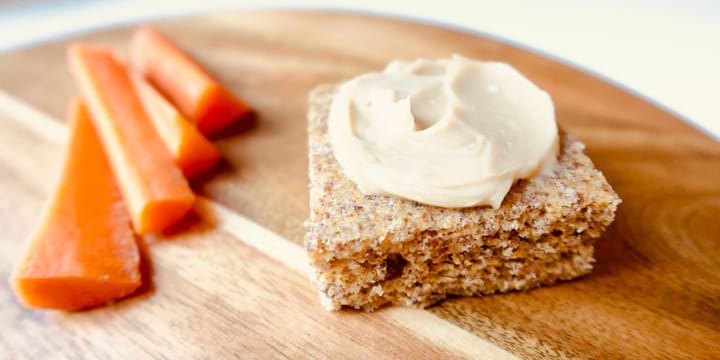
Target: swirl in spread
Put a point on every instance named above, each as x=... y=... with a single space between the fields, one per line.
x=452 y=132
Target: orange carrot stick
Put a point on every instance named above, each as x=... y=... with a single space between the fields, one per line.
x=83 y=254
x=155 y=191
x=192 y=152
x=192 y=89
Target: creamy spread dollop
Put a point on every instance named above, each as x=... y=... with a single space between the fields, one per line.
x=452 y=132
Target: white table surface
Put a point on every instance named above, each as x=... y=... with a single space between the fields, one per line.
x=668 y=51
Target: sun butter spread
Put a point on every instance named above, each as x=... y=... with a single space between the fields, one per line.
x=452 y=132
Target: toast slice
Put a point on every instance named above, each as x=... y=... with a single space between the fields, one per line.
x=370 y=250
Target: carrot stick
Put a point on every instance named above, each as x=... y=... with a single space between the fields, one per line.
x=83 y=254
x=192 y=152
x=153 y=187
x=192 y=89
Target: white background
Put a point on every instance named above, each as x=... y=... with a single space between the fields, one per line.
x=666 y=50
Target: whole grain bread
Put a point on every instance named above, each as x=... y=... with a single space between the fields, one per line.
x=367 y=250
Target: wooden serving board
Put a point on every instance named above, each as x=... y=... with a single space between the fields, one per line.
x=232 y=280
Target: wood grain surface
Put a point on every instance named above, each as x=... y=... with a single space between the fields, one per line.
x=231 y=281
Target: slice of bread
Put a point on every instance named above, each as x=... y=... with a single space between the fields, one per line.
x=369 y=250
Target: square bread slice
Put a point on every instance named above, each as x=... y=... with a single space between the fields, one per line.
x=368 y=250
